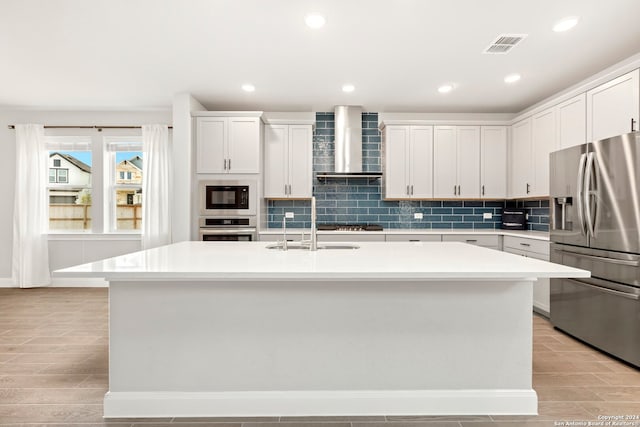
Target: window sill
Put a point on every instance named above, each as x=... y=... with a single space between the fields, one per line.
x=93 y=236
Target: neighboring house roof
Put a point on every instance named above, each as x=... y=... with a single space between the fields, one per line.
x=78 y=163
x=135 y=161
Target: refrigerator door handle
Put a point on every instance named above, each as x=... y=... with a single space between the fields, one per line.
x=606 y=290
x=588 y=194
x=632 y=263
x=580 y=190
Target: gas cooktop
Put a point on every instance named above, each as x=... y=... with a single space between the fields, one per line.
x=349 y=227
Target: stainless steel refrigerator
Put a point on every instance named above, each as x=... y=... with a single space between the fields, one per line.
x=595 y=225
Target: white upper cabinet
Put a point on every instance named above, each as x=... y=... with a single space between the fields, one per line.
x=533 y=139
x=228 y=145
x=493 y=162
x=543 y=142
x=613 y=108
x=445 y=164
x=571 y=118
x=521 y=174
x=211 y=134
x=456 y=165
x=407 y=162
x=244 y=145
x=288 y=161
x=421 y=159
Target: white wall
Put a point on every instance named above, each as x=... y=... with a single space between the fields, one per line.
x=183 y=187
x=64 y=251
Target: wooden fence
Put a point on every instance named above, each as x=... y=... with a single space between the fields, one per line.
x=69 y=216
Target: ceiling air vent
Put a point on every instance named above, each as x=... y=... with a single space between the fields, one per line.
x=504 y=43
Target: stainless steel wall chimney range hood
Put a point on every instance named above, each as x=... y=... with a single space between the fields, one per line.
x=348 y=145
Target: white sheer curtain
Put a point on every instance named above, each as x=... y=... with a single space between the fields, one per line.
x=30 y=246
x=156 y=211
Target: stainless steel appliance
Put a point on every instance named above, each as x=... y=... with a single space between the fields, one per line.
x=228 y=197
x=228 y=229
x=349 y=227
x=595 y=225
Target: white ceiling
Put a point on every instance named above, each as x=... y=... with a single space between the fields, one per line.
x=133 y=54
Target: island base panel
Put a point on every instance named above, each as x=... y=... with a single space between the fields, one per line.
x=210 y=348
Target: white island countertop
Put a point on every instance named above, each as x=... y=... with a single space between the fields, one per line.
x=401 y=261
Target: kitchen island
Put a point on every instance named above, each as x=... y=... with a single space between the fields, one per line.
x=236 y=329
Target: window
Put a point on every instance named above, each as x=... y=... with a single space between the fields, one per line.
x=114 y=159
x=69 y=184
x=126 y=183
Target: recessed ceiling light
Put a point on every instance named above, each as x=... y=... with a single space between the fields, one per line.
x=248 y=87
x=314 y=21
x=565 y=24
x=348 y=88
x=445 y=88
x=512 y=78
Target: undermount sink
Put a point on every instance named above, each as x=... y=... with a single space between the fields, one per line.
x=305 y=246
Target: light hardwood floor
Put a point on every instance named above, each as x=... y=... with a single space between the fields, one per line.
x=54 y=365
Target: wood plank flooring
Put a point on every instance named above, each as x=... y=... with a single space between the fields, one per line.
x=54 y=365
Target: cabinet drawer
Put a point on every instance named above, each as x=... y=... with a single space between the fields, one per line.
x=486 y=240
x=291 y=237
x=414 y=238
x=355 y=237
x=530 y=245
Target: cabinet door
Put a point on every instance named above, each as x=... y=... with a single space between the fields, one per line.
x=396 y=146
x=468 y=164
x=421 y=162
x=300 y=160
x=211 y=134
x=571 y=118
x=244 y=145
x=543 y=134
x=493 y=162
x=276 y=167
x=445 y=183
x=521 y=159
x=612 y=106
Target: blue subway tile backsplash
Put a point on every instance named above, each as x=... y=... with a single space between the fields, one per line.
x=359 y=200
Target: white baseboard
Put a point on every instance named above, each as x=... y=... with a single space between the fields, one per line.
x=78 y=282
x=7 y=282
x=62 y=282
x=320 y=403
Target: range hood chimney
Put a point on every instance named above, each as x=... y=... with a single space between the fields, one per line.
x=348 y=144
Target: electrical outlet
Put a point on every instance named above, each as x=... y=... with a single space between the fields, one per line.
x=487 y=215
x=417 y=215
x=288 y=215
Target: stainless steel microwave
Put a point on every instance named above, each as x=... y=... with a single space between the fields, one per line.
x=228 y=197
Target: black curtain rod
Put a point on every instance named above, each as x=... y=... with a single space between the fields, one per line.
x=90 y=127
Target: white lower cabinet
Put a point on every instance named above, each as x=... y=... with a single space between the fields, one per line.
x=538 y=249
x=414 y=237
x=491 y=241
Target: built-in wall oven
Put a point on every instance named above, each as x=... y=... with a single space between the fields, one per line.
x=228 y=229
x=228 y=198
